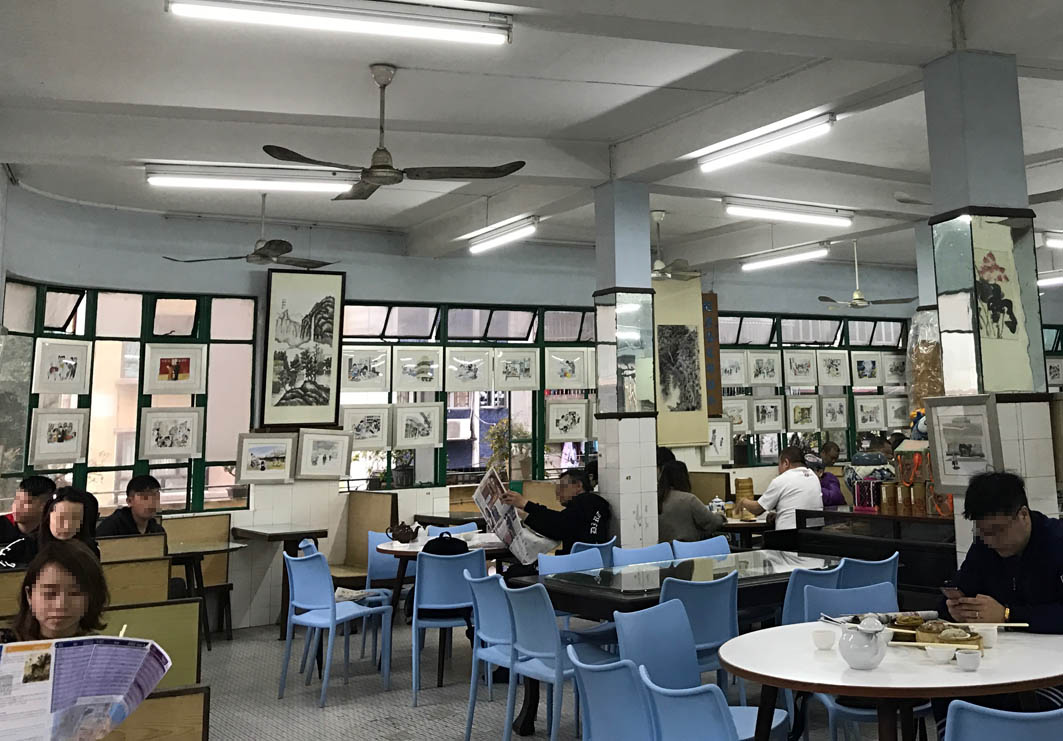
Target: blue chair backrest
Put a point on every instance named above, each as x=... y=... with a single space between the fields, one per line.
x=441 y=582
x=793 y=606
x=582 y=561
x=606 y=549
x=490 y=609
x=837 y=602
x=435 y=530
x=307 y=547
x=534 y=625
x=616 y=706
x=649 y=554
x=660 y=638
x=717 y=546
x=712 y=607
x=310 y=582
x=382 y=565
x=695 y=712
x=857 y=573
x=967 y=722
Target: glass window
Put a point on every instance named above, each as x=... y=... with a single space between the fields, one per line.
x=364 y=321
x=729 y=329
x=860 y=332
x=458 y=400
x=109 y=486
x=810 y=331
x=887 y=334
x=118 y=314
x=756 y=330
x=61 y=310
x=586 y=334
x=113 y=417
x=174 y=487
x=467 y=324
x=232 y=319
x=512 y=325
x=131 y=360
x=14 y=403
x=562 y=326
x=1049 y=335
x=229 y=375
x=412 y=321
x=20 y=307
x=221 y=490
x=175 y=317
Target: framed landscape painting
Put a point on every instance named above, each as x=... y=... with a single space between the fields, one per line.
x=175 y=369
x=323 y=454
x=720 y=447
x=366 y=368
x=265 y=458
x=58 y=436
x=867 y=369
x=802 y=413
x=301 y=379
x=419 y=425
x=171 y=432
x=368 y=425
x=516 y=370
x=566 y=421
x=61 y=366
x=418 y=369
x=733 y=369
x=736 y=409
x=468 y=369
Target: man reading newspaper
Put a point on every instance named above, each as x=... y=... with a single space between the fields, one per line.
x=583 y=517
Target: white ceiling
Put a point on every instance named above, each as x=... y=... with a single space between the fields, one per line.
x=90 y=90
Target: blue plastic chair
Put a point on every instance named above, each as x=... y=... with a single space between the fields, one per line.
x=441 y=585
x=582 y=561
x=712 y=607
x=793 y=606
x=717 y=546
x=312 y=590
x=695 y=712
x=494 y=635
x=967 y=722
x=307 y=547
x=606 y=549
x=660 y=639
x=649 y=554
x=857 y=573
x=381 y=567
x=435 y=530
x=615 y=705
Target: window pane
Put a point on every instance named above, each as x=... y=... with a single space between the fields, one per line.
x=113 y=420
x=412 y=321
x=1048 y=334
x=15 y=374
x=59 y=308
x=221 y=489
x=175 y=317
x=20 y=307
x=860 y=332
x=562 y=326
x=467 y=324
x=810 y=331
x=228 y=399
x=174 y=487
x=171 y=400
x=118 y=314
x=511 y=325
x=364 y=321
x=587 y=333
x=729 y=330
x=232 y=319
x=756 y=330
x=887 y=334
x=109 y=488
x=561 y=457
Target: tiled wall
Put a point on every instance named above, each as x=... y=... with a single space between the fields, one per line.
x=627 y=472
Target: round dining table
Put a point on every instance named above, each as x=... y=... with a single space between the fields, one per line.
x=786 y=658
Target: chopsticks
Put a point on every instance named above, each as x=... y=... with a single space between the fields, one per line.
x=991 y=625
x=918 y=644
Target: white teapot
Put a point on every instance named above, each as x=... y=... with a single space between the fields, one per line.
x=864 y=646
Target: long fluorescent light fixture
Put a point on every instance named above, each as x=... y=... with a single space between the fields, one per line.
x=372 y=18
x=1054 y=241
x=512 y=232
x=793 y=212
x=1053 y=280
x=767 y=143
x=787 y=259
x=260 y=180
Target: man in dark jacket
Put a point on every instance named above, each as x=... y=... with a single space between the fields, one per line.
x=584 y=516
x=138 y=516
x=18 y=528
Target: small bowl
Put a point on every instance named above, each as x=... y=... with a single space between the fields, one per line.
x=968 y=659
x=824 y=639
x=989 y=636
x=940 y=654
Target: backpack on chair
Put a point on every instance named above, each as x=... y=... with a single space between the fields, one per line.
x=442 y=545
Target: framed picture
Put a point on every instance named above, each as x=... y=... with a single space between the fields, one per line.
x=799 y=367
x=769 y=414
x=265 y=458
x=62 y=366
x=368 y=425
x=764 y=368
x=832 y=367
x=566 y=368
x=802 y=413
x=175 y=369
x=893 y=369
x=870 y=413
x=417 y=369
x=592 y=420
x=301 y=378
x=566 y=421
x=171 y=432
x=323 y=454
x=736 y=409
x=965 y=440
x=58 y=436
x=897 y=412
x=839 y=438
x=365 y=368
x=516 y=370
x=867 y=369
x=468 y=369
x=1054 y=371
x=721 y=443
x=733 y=368
x=419 y=425
x=834 y=412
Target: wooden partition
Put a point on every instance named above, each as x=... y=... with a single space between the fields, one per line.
x=138 y=582
x=366 y=510
x=171 y=715
x=542 y=492
x=461 y=498
x=10 y=584
x=202 y=530
x=707 y=485
x=132 y=547
x=174 y=625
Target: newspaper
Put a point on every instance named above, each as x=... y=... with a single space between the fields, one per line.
x=77 y=688
x=524 y=543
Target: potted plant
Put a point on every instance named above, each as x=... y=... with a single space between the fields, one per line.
x=499 y=437
x=402 y=468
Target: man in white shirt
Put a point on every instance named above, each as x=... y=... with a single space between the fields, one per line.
x=796 y=487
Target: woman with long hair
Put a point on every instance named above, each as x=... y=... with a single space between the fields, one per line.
x=680 y=514
x=70 y=514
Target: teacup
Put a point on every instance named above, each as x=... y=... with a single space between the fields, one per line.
x=940 y=654
x=968 y=659
x=989 y=635
x=824 y=639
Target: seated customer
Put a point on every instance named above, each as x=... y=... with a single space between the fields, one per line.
x=828 y=482
x=680 y=514
x=794 y=488
x=70 y=515
x=584 y=516
x=664 y=455
x=138 y=518
x=18 y=529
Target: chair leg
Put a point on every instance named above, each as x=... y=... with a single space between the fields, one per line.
x=328 y=664
x=473 y=686
x=511 y=700
x=922 y=729
x=490 y=677
x=385 y=647
x=415 y=646
x=347 y=652
x=306 y=648
x=742 y=692
x=313 y=656
x=287 y=658
x=227 y=599
x=365 y=627
x=575 y=699
x=442 y=656
x=375 y=623
x=555 y=719
x=550 y=707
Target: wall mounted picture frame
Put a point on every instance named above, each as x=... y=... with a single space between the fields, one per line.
x=566 y=368
x=266 y=458
x=171 y=432
x=765 y=367
x=368 y=424
x=964 y=439
x=419 y=425
x=869 y=413
x=468 y=369
x=734 y=368
x=516 y=369
x=799 y=367
x=566 y=421
x=365 y=368
x=720 y=449
x=832 y=367
x=175 y=369
x=897 y=413
x=62 y=366
x=834 y=412
x=769 y=414
x=323 y=454
x=802 y=413
x=417 y=368
x=866 y=368
x=301 y=380
x=894 y=369
x=1054 y=371
x=58 y=436
x=736 y=410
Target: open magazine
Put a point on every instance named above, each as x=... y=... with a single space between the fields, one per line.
x=76 y=688
x=524 y=543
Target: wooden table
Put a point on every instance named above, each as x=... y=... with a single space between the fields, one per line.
x=453 y=519
x=190 y=555
x=785 y=657
x=289 y=535
x=746 y=530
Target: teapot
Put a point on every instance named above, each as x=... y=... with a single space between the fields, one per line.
x=402 y=532
x=864 y=646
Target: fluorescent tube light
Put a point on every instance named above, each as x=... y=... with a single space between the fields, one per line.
x=377 y=19
x=258 y=179
x=788 y=259
x=1055 y=280
x=777 y=211
x=1054 y=241
x=261 y=186
x=513 y=232
x=767 y=143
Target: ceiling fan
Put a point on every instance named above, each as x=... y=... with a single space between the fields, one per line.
x=382 y=171
x=678 y=269
x=266 y=252
x=858 y=301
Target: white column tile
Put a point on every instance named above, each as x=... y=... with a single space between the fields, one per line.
x=1035 y=420
x=1038 y=457
x=1008 y=421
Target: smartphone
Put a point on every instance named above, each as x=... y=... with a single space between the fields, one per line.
x=951 y=591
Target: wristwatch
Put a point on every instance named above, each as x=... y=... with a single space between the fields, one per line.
x=1007 y=613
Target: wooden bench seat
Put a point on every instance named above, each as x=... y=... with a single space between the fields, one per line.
x=180 y=714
